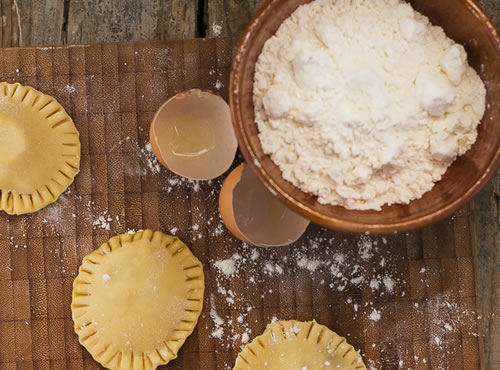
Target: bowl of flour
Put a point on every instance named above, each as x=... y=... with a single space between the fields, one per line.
x=366 y=115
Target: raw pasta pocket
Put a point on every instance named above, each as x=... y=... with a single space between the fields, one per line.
x=136 y=299
x=39 y=149
x=299 y=345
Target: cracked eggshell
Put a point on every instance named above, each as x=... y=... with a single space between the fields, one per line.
x=254 y=215
x=208 y=107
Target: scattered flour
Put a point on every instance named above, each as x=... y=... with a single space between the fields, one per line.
x=339 y=271
x=228 y=267
x=255 y=254
x=217 y=29
x=309 y=264
x=69 y=89
x=389 y=283
x=218 y=331
x=374 y=315
x=375 y=284
x=244 y=338
x=219 y=229
x=151 y=160
x=365 y=245
x=325 y=263
x=271 y=269
x=103 y=221
x=175 y=181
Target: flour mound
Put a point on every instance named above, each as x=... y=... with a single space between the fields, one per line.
x=365 y=103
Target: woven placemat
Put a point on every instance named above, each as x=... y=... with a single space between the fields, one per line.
x=405 y=301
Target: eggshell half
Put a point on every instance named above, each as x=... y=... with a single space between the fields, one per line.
x=206 y=106
x=226 y=202
x=256 y=216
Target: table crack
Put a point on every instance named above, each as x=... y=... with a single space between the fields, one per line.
x=64 y=26
x=201 y=22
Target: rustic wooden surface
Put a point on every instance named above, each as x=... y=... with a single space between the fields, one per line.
x=52 y=22
x=406 y=299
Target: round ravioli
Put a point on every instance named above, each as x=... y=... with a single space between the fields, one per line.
x=39 y=149
x=295 y=345
x=136 y=299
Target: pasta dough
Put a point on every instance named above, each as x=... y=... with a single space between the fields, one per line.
x=39 y=149
x=136 y=299
x=296 y=345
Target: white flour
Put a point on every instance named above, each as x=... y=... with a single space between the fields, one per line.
x=364 y=103
x=369 y=295
x=374 y=315
x=228 y=267
x=151 y=160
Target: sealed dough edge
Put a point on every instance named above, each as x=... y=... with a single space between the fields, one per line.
x=298 y=345
x=154 y=331
x=25 y=107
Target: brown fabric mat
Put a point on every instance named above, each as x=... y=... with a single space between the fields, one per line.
x=405 y=301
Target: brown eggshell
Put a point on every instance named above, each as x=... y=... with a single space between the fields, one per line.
x=226 y=201
x=154 y=145
x=256 y=216
x=206 y=106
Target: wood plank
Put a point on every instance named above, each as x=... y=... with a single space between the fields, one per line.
x=487 y=239
x=41 y=22
x=131 y=191
x=228 y=18
x=177 y=19
x=492 y=7
x=99 y=21
x=10 y=23
x=486 y=211
x=92 y=21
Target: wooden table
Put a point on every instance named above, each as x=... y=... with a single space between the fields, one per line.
x=54 y=22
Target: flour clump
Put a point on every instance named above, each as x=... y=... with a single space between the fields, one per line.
x=365 y=103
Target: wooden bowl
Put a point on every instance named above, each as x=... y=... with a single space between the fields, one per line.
x=463 y=21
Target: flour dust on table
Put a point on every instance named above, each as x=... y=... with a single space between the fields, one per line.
x=360 y=277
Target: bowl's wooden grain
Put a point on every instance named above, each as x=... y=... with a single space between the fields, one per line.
x=466 y=23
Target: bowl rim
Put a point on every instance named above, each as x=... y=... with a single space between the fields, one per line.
x=333 y=222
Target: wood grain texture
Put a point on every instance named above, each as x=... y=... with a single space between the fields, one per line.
x=43 y=22
x=10 y=34
x=486 y=211
x=427 y=279
x=492 y=7
x=92 y=21
x=177 y=19
x=228 y=18
x=487 y=239
x=55 y=22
